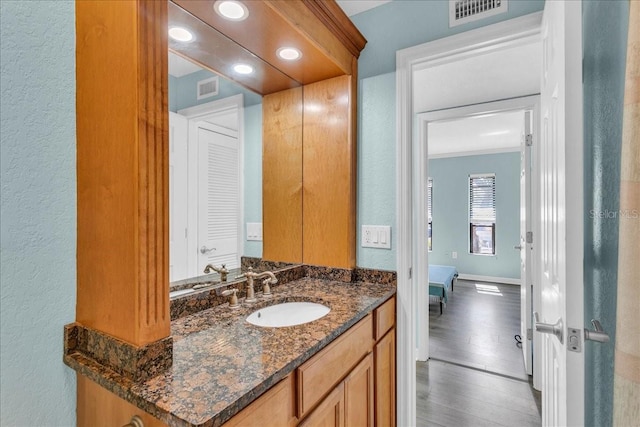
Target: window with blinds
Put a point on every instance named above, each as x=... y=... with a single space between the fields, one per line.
x=482 y=214
x=430 y=212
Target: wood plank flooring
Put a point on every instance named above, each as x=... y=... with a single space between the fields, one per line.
x=476 y=375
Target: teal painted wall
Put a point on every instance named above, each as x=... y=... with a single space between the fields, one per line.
x=605 y=25
x=388 y=28
x=183 y=91
x=451 y=213
x=253 y=174
x=37 y=211
x=183 y=94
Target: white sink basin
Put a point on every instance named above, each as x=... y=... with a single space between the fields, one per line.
x=287 y=314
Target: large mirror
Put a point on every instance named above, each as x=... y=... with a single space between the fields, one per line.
x=215 y=150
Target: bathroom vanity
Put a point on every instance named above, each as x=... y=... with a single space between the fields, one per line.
x=194 y=361
x=227 y=371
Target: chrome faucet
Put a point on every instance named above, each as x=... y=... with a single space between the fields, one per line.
x=221 y=270
x=250 y=275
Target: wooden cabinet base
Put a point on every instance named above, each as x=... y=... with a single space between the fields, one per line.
x=98 y=407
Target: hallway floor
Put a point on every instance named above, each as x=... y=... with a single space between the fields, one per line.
x=476 y=375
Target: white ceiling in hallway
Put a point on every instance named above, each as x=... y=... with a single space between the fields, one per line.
x=496 y=75
x=485 y=133
x=178 y=66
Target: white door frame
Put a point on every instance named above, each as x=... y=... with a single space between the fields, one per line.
x=531 y=103
x=411 y=261
x=194 y=115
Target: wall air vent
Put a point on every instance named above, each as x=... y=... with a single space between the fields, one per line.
x=208 y=87
x=463 y=11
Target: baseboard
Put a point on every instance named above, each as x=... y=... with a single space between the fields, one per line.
x=490 y=279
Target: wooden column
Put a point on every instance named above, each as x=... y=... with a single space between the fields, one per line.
x=329 y=173
x=122 y=167
x=282 y=176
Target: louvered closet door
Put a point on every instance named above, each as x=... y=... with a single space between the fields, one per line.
x=218 y=199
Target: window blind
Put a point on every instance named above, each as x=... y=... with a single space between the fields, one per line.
x=430 y=200
x=482 y=198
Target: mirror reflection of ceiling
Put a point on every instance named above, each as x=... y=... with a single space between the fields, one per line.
x=179 y=67
x=477 y=134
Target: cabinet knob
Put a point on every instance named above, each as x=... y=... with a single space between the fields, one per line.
x=136 y=421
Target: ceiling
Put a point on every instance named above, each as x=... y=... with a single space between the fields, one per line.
x=485 y=133
x=353 y=7
x=178 y=66
x=495 y=75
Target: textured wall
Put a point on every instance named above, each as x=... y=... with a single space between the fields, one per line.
x=37 y=210
x=253 y=174
x=451 y=213
x=605 y=26
x=405 y=23
x=377 y=166
x=388 y=28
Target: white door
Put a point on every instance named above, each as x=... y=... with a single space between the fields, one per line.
x=218 y=197
x=524 y=246
x=178 y=197
x=561 y=210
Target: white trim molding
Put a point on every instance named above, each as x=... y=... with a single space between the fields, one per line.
x=411 y=165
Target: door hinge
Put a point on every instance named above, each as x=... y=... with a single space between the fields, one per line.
x=529 y=236
x=529 y=140
x=410 y=272
x=529 y=334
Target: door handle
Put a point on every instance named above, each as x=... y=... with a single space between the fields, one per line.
x=598 y=335
x=517 y=247
x=547 y=328
x=204 y=250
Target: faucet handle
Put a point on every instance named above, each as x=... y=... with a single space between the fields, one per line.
x=266 y=289
x=233 y=301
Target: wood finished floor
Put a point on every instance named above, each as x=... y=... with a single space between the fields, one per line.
x=476 y=375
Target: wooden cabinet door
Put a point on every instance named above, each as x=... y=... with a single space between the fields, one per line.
x=274 y=408
x=358 y=394
x=385 y=372
x=330 y=412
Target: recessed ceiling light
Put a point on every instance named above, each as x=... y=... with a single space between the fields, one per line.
x=180 y=34
x=231 y=10
x=243 y=69
x=289 y=53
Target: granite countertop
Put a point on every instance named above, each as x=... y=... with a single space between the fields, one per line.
x=221 y=363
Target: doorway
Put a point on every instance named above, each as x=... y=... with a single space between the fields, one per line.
x=413 y=68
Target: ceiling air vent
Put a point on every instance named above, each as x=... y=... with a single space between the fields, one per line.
x=208 y=87
x=463 y=11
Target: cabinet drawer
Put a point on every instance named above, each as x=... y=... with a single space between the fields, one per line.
x=321 y=373
x=385 y=318
x=274 y=408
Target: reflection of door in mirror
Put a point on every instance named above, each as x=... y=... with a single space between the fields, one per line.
x=208 y=178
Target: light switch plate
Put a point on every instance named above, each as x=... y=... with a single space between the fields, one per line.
x=254 y=231
x=376 y=236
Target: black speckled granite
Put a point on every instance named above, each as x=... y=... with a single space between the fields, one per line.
x=376 y=276
x=259 y=264
x=221 y=363
x=330 y=273
x=136 y=363
x=203 y=299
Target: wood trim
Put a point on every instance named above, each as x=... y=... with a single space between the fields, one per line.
x=282 y=176
x=329 y=173
x=98 y=407
x=296 y=13
x=122 y=161
x=334 y=18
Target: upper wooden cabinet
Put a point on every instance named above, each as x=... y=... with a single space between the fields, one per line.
x=122 y=149
x=319 y=29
